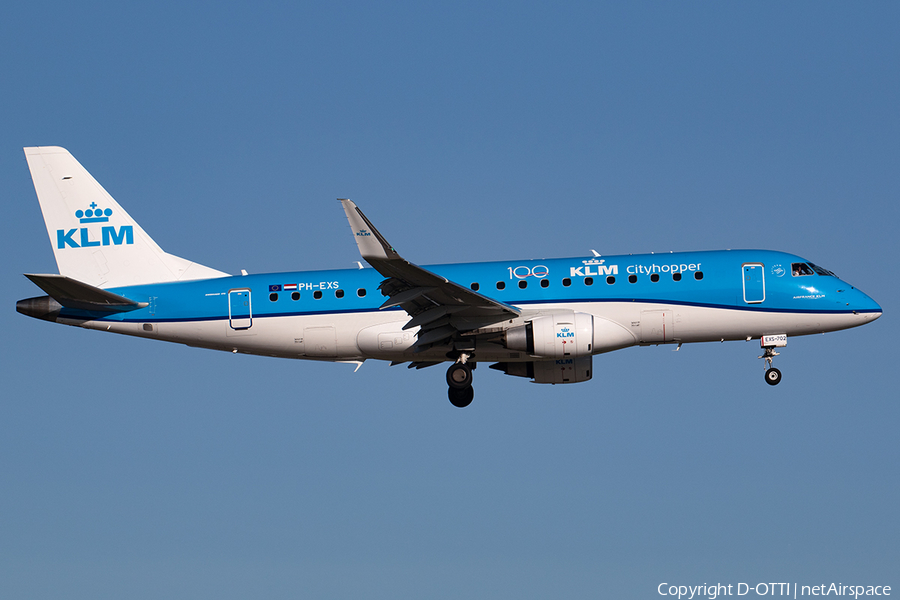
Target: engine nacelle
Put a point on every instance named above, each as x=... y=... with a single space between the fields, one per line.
x=558 y=335
x=562 y=370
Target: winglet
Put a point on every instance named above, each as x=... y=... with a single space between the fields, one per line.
x=371 y=243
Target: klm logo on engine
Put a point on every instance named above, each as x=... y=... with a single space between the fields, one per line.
x=85 y=238
x=593 y=268
x=565 y=333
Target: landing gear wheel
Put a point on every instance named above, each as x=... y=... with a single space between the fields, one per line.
x=461 y=398
x=459 y=376
x=773 y=376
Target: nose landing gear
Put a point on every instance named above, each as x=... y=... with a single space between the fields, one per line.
x=769 y=343
x=459 y=380
x=773 y=376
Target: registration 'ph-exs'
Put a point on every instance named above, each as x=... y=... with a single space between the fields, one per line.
x=539 y=319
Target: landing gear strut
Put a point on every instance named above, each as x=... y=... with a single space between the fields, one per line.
x=459 y=380
x=769 y=343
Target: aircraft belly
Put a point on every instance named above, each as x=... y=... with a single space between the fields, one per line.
x=386 y=340
x=704 y=324
x=707 y=324
x=353 y=336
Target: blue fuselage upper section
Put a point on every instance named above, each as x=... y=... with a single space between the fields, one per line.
x=752 y=280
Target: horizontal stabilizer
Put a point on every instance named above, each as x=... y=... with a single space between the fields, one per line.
x=81 y=296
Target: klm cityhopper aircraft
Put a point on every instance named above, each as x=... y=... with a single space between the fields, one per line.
x=540 y=319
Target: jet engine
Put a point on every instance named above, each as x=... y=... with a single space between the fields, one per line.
x=562 y=370
x=562 y=344
x=557 y=335
x=567 y=334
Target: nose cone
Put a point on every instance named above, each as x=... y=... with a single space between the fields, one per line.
x=871 y=308
x=861 y=304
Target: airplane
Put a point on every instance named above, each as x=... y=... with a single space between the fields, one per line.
x=538 y=319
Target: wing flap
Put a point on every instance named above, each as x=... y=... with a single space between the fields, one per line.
x=407 y=296
x=432 y=315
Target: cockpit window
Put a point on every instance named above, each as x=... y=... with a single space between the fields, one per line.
x=821 y=271
x=801 y=269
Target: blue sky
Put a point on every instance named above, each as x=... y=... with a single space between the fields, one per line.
x=137 y=469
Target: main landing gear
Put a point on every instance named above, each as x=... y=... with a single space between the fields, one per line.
x=769 y=343
x=459 y=380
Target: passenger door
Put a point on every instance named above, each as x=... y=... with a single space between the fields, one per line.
x=240 y=312
x=754 y=283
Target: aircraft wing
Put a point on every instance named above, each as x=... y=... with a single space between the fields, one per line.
x=443 y=310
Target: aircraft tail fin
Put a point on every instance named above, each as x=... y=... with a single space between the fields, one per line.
x=94 y=240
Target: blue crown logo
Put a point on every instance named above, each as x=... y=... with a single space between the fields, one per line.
x=93 y=214
x=593 y=262
x=564 y=329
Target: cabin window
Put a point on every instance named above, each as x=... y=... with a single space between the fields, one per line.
x=610 y=280
x=317 y=295
x=588 y=281
x=523 y=284
x=654 y=278
x=545 y=283
x=361 y=292
x=338 y=293
x=632 y=279
x=475 y=286
x=501 y=285
x=273 y=296
x=801 y=270
x=567 y=282
x=698 y=275
x=295 y=296
x=676 y=276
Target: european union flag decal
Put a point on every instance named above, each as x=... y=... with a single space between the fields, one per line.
x=274 y=288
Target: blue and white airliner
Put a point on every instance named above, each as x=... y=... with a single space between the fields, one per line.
x=539 y=319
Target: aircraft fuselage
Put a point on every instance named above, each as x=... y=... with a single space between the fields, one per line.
x=647 y=299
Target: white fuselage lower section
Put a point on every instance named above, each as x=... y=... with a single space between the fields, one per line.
x=380 y=335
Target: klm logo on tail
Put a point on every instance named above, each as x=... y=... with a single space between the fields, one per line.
x=109 y=235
